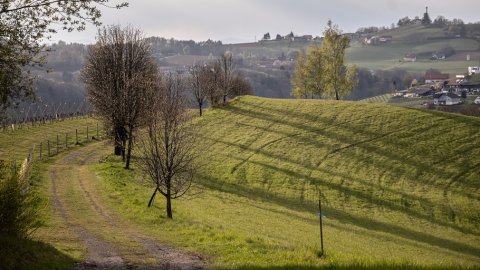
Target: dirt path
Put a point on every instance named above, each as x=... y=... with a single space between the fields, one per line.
x=110 y=242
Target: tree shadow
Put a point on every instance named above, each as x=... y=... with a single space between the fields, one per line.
x=341 y=216
x=21 y=253
x=355 y=266
x=389 y=204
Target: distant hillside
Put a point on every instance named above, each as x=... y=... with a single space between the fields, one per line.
x=269 y=64
x=422 y=41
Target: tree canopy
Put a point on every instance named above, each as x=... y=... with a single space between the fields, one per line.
x=321 y=71
x=120 y=76
x=24 y=24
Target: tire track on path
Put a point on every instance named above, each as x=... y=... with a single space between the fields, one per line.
x=141 y=250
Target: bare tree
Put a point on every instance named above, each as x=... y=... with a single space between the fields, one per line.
x=200 y=83
x=214 y=87
x=227 y=69
x=168 y=145
x=120 y=75
x=240 y=86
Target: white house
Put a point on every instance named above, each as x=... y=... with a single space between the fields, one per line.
x=410 y=57
x=446 y=99
x=477 y=100
x=473 y=70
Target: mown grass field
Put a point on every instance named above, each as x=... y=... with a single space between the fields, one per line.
x=399 y=188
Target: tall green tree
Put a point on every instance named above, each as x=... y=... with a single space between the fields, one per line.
x=301 y=78
x=316 y=70
x=338 y=78
x=321 y=71
x=24 y=25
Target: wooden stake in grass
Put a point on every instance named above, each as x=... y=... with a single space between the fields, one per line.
x=48 y=146
x=40 y=151
x=321 y=228
x=76 y=136
x=66 y=140
x=58 y=144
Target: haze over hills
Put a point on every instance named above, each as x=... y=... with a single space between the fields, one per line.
x=269 y=64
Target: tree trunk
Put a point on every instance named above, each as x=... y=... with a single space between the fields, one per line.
x=151 y=198
x=200 y=107
x=169 y=201
x=224 y=99
x=118 y=142
x=336 y=94
x=124 y=143
x=129 y=148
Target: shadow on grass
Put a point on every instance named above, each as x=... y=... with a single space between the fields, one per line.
x=381 y=266
x=392 y=156
x=21 y=253
x=341 y=216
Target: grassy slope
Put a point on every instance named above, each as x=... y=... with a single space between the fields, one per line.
x=16 y=144
x=413 y=38
x=399 y=187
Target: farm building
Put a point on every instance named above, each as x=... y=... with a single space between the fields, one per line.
x=419 y=91
x=477 y=100
x=410 y=57
x=431 y=77
x=446 y=99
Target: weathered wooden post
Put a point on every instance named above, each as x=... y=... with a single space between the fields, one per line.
x=48 y=147
x=76 y=136
x=321 y=228
x=58 y=144
x=66 y=140
x=87 y=133
x=97 y=130
x=40 y=151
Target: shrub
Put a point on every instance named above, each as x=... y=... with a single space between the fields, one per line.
x=18 y=215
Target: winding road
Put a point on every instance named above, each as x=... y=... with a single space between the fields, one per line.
x=111 y=242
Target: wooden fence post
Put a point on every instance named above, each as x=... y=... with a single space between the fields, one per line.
x=40 y=151
x=76 y=136
x=58 y=143
x=87 y=133
x=321 y=228
x=66 y=140
x=97 y=130
x=48 y=147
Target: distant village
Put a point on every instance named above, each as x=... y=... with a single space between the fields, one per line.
x=445 y=89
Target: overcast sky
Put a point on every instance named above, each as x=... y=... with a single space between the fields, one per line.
x=234 y=21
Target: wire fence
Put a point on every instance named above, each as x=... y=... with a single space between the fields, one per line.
x=26 y=115
x=53 y=144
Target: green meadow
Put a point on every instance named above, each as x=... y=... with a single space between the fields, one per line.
x=399 y=188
